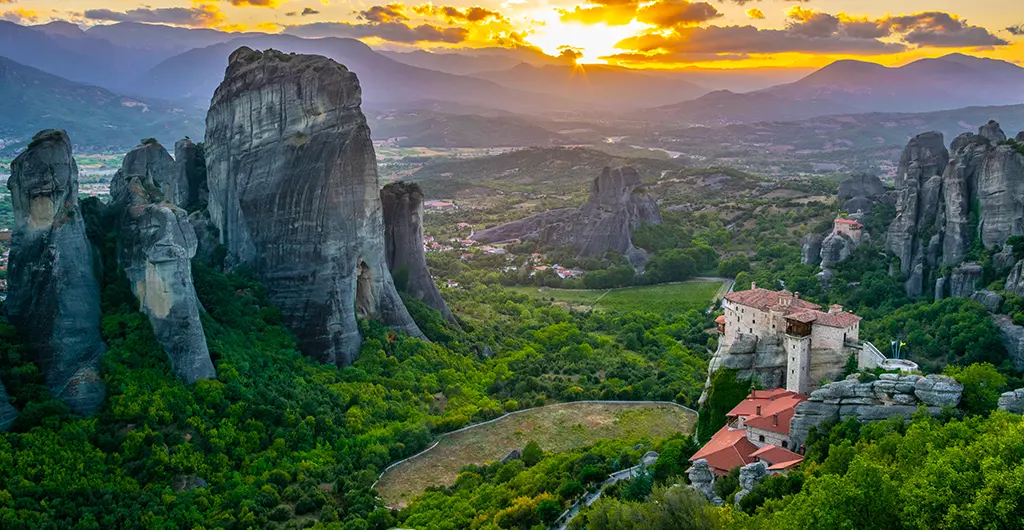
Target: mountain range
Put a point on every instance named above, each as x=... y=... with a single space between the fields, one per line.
x=155 y=64
x=99 y=120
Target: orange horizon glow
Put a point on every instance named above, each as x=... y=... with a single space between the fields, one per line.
x=621 y=32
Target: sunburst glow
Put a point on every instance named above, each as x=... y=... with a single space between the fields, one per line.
x=593 y=40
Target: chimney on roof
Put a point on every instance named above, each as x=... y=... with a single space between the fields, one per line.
x=753 y=285
x=796 y=295
x=835 y=308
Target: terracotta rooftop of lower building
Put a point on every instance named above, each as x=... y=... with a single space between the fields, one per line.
x=727 y=449
x=768 y=410
x=774 y=454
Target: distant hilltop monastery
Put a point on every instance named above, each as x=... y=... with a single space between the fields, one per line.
x=786 y=342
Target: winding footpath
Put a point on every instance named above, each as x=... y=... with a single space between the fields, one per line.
x=591 y=497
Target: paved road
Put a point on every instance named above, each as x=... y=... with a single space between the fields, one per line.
x=590 y=498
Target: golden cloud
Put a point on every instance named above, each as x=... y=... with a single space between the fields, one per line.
x=19 y=16
x=755 y=14
x=199 y=15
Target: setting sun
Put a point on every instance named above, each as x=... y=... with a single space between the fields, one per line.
x=592 y=40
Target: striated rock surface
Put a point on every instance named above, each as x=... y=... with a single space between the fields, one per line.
x=1012 y=337
x=992 y=301
x=7 y=413
x=53 y=296
x=1012 y=401
x=618 y=205
x=294 y=194
x=947 y=200
x=403 y=237
x=860 y=192
x=156 y=248
x=151 y=165
x=836 y=248
x=750 y=476
x=964 y=280
x=1015 y=280
x=810 y=249
x=702 y=479
x=891 y=395
x=190 y=190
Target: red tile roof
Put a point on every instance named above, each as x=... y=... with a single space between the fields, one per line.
x=851 y=222
x=720 y=319
x=841 y=319
x=783 y=466
x=729 y=448
x=765 y=299
x=778 y=402
x=774 y=454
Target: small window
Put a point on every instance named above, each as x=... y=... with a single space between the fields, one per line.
x=754 y=321
x=785 y=444
x=751 y=330
x=761 y=439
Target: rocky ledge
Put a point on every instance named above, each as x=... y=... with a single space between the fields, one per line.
x=888 y=396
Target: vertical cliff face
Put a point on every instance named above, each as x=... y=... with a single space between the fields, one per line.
x=190 y=190
x=156 y=246
x=403 y=236
x=948 y=200
x=294 y=194
x=618 y=204
x=53 y=295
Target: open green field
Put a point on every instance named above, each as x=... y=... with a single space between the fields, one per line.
x=557 y=428
x=667 y=298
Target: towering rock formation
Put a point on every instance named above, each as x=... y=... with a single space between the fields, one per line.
x=152 y=166
x=950 y=199
x=7 y=413
x=294 y=194
x=617 y=206
x=403 y=237
x=190 y=191
x=810 y=249
x=156 y=247
x=860 y=192
x=53 y=295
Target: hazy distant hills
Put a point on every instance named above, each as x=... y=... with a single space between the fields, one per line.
x=95 y=118
x=847 y=87
x=430 y=129
x=197 y=73
x=469 y=61
x=723 y=107
x=611 y=87
x=460 y=97
x=949 y=82
x=847 y=142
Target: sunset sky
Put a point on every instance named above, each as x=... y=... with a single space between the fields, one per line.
x=658 y=33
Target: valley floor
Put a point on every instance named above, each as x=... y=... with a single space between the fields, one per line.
x=557 y=428
x=665 y=298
